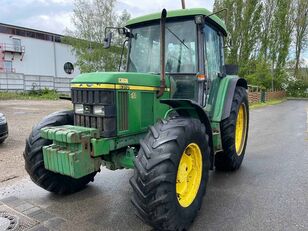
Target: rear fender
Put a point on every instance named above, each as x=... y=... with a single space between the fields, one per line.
x=225 y=95
x=228 y=101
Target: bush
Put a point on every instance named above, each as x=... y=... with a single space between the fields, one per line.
x=32 y=94
x=297 y=88
x=260 y=76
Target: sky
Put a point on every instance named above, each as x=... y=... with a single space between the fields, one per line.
x=55 y=15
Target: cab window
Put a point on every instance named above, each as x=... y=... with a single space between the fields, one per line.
x=212 y=52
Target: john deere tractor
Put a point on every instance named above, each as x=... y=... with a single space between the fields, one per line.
x=176 y=112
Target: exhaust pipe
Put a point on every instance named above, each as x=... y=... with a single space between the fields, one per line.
x=183 y=4
x=162 y=53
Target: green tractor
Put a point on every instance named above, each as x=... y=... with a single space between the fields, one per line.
x=177 y=112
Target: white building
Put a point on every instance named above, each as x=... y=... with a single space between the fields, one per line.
x=34 y=59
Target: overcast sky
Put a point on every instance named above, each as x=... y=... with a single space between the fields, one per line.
x=55 y=15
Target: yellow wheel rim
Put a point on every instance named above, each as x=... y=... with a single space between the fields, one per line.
x=240 y=129
x=189 y=175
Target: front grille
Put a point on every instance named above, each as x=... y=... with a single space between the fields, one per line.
x=89 y=121
x=89 y=98
x=93 y=96
x=123 y=110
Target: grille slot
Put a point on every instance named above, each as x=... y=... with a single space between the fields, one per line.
x=89 y=121
x=106 y=124
x=123 y=110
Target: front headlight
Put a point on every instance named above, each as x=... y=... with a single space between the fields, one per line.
x=99 y=110
x=2 y=120
x=78 y=108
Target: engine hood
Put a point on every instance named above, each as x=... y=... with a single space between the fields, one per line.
x=123 y=78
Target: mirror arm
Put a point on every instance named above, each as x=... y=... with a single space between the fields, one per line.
x=122 y=52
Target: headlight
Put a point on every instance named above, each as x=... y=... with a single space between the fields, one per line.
x=78 y=108
x=2 y=120
x=99 y=110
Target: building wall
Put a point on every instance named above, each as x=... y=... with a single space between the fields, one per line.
x=17 y=82
x=43 y=58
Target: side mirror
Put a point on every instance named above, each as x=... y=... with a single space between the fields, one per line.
x=122 y=31
x=107 y=40
x=231 y=69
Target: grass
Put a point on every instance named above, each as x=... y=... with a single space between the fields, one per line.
x=272 y=102
x=44 y=94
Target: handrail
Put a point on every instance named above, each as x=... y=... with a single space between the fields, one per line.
x=12 y=48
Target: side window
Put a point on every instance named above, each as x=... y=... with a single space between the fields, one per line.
x=17 y=44
x=8 y=67
x=212 y=52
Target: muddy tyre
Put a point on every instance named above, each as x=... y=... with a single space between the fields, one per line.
x=34 y=163
x=171 y=173
x=234 y=132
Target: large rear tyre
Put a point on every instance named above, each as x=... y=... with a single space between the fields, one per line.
x=171 y=173
x=34 y=163
x=234 y=132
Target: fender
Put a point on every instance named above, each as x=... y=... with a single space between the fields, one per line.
x=230 y=93
x=189 y=108
x=222 y=107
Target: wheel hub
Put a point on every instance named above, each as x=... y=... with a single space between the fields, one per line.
x=240 y=129
x=189 y=175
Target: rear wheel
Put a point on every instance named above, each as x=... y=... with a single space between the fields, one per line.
x=171 y=173
x=34 y=162
x=234 y=132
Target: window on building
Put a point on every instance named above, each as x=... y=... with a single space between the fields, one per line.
x=57 y=39
x=17 y=44
x=20 y=32
x=68 y=68
x=8 y=66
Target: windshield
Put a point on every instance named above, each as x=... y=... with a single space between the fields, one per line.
x=180 y=48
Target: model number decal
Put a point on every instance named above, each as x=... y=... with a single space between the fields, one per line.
x=122 y=80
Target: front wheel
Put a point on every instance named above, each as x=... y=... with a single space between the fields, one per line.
x=34 y=163
x=171 y=173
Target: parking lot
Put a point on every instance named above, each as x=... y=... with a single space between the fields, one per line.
x=21 y=116
x=269 y=192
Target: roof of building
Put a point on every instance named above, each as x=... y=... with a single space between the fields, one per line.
x=28 y=32
x=180 y=13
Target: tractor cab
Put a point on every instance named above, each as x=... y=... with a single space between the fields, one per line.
x=193 y=50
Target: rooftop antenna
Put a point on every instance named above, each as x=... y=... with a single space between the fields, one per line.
x=183 y=4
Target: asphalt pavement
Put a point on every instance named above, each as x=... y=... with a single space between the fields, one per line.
x=269 y=191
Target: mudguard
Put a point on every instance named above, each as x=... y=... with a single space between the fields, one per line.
x=229 y=96
x=189 y=108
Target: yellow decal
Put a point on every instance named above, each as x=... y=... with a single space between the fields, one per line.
x=116 y=86
x=122 y=80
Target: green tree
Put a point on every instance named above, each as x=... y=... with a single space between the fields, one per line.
x=90 y=18
x=280 y=39
x=267 y=15
x=260 y=37
x=243 y=21
x=300 y=32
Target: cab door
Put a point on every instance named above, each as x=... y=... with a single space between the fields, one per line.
x=213 y=54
